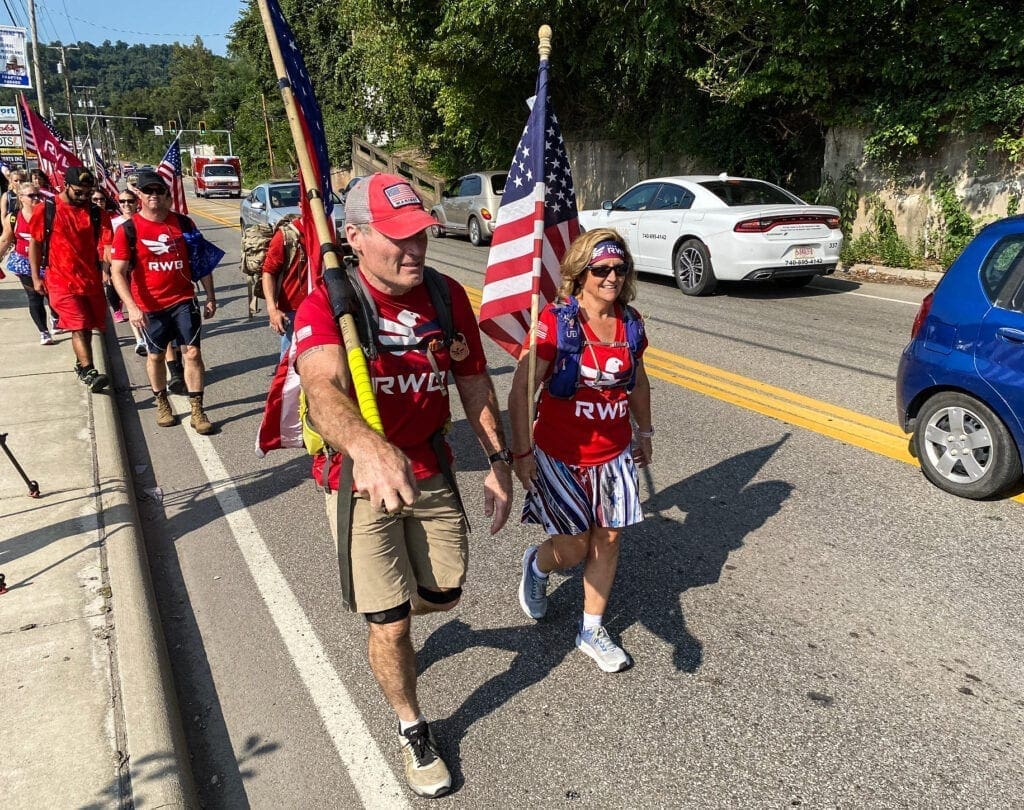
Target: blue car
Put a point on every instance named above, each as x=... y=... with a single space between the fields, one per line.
x=960 y=386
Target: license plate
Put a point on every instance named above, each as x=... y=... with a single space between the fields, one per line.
x=803 y=253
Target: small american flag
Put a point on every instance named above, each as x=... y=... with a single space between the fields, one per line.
x=170 y=170
x=536 y=223
x=106 y=181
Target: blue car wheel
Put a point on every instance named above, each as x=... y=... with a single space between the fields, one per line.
x=964 y=448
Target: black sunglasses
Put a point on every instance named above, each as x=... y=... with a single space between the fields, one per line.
x=125 y=200
x=159 y=191
x=605 y=270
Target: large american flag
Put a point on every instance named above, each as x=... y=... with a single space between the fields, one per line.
x=170 y=170
x=55 y=154
x=312 y=132
x=536 y=223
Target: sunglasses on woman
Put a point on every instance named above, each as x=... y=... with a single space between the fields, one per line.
x=125 y=200
x=605 y=270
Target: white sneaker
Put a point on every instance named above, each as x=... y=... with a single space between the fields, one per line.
x=599 y=645
x=45 y=339
x=425 y=771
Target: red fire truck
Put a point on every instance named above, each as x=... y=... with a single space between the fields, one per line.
x=217 y=174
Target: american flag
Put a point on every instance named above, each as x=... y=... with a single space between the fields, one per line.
x=312 y=131
x=106 y=181
x=55 y=153
x=536 y=223
x=170 y=170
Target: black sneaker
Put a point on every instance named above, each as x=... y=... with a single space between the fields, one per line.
x=91 y=378
x=425 y=771
x=176 y=379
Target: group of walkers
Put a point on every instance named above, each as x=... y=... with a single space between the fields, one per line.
x=67 y=248
x=392 y=499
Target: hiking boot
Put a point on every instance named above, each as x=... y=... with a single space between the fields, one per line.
x=200 y=423
x=599 y=645
x=533 y=590
x=176 y=380
x=45 y=339
x=164 y=415
x=425 y=771
x=91 y=378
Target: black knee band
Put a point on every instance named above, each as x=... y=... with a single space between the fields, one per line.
x=438 y=597
x=389 y=616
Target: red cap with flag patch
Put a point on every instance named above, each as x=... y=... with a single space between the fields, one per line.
x=389 y=204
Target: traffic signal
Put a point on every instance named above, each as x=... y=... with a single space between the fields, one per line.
x=202 y=127
x=172 y=127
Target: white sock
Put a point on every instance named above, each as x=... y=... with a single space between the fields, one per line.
x=536 y=569
x=405 y=725
x=591 y=621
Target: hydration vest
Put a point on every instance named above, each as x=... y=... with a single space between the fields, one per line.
x=565 y=374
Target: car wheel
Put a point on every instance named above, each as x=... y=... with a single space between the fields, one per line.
x=437 y=229
x=476 y=237
x=794 y=282
x=964 y=448
x=692 y=269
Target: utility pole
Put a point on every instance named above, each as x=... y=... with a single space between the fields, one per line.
x=266 y=126
x=67 y=87
x=35 y=56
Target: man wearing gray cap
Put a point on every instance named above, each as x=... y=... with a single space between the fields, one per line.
x=392 y=500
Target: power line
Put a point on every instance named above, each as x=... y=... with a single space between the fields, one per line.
x=163 y=34
x=70 y=26
x=10 y=13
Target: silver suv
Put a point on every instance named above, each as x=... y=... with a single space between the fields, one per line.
x=469 y=205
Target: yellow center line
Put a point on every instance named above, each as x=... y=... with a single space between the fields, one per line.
x=850 y=427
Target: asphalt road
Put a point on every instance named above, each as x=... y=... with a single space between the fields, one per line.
x=812 y=622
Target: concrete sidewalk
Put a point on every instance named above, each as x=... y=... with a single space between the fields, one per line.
x=89 y=715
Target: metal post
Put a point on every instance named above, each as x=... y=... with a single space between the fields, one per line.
x=35 y=56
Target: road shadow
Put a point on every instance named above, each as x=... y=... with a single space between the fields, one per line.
x=822 y=285
x=664 y=556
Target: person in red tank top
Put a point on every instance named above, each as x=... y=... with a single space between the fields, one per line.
x=577 y=461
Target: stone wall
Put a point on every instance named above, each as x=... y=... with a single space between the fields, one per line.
x=601 y=170
x=982 y=179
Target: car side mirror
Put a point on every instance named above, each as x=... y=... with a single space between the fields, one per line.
x=607 y=205
x=259 y=206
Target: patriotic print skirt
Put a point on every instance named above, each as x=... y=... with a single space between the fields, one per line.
x=569 y=499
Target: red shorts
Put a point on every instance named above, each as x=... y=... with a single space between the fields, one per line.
x=78 y=312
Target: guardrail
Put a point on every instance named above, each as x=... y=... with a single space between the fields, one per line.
x=367 y=159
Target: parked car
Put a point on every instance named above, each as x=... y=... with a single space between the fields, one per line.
x=960 y=385
x=268 y=202
x=703 y=229
x=469 y=205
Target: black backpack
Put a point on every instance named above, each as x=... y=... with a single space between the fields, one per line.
x=50 y=213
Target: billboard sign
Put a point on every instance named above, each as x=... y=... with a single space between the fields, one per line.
x=14 y=58
x=8 y=113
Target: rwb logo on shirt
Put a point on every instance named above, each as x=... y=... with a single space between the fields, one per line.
x=160 y=246
x=401 y=195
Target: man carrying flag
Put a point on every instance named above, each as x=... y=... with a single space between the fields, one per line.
x=170 y=170
x=56 y=155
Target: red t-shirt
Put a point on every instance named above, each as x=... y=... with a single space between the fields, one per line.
x=593 y=427
x=73 y=264
x=21 y=234
x=294 y=285
x=413 y=402
x=161 y=276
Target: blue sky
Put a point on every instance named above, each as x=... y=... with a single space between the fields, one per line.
x=132 y=21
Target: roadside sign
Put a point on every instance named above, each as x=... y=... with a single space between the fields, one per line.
x=13 y=58
x=11 y=141
x=9 y=150
x=8 y=113
x=158 y=130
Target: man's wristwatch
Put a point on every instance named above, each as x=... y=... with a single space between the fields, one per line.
x=502 y=455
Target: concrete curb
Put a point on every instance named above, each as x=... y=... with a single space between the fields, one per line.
x=158 y=762
x=866 y=270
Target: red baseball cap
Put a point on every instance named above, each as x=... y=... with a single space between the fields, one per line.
x=389 y=204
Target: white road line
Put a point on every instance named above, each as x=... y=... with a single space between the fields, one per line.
x=372 y=778
x=876 y=297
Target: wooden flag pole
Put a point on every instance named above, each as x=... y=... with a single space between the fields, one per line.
x=544 y=49
x=353 y=349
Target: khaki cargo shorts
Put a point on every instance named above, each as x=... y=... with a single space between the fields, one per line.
x=426 y=544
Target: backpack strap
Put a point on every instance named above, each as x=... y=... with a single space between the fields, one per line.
x=49 y=214
x=130 y=236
